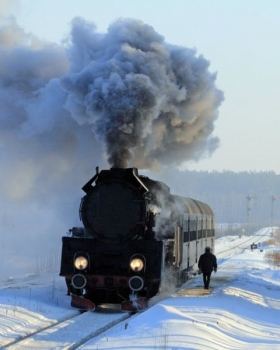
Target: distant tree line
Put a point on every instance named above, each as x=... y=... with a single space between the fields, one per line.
x=249 y=198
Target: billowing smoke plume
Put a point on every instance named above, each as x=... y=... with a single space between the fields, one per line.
x=150 y=102
x=125 y=97
x=144 y=102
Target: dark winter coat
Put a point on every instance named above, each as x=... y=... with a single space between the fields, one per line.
x=207 y=262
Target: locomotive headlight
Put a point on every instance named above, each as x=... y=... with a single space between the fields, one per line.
x=81 y=263
x=136 y=264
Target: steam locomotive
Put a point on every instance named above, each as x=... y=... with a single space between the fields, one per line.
x=135 y=234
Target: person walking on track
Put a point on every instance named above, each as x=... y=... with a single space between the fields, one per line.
x=207 y=263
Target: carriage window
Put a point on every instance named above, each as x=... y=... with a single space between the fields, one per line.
x=193 y=236
x=186 y=236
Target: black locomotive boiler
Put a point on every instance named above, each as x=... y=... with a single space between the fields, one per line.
x=135 y=234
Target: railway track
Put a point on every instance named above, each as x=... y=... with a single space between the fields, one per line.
x=239 y=245
x=77 y=328
x=31 y=320
x=69 y=333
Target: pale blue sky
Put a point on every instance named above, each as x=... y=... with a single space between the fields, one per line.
x=239 y=37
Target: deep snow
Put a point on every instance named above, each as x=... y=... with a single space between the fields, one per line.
x=240 y=311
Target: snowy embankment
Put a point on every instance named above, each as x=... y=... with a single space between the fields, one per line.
x=241 y=311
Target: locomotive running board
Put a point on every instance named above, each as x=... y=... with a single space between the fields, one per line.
x=135 y=305
x=82 y=303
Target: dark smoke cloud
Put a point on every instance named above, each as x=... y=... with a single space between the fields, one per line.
x=151 y=103
x=125 y=97
x=144 y=102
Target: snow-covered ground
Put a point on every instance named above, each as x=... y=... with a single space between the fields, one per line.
x=240 y=311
